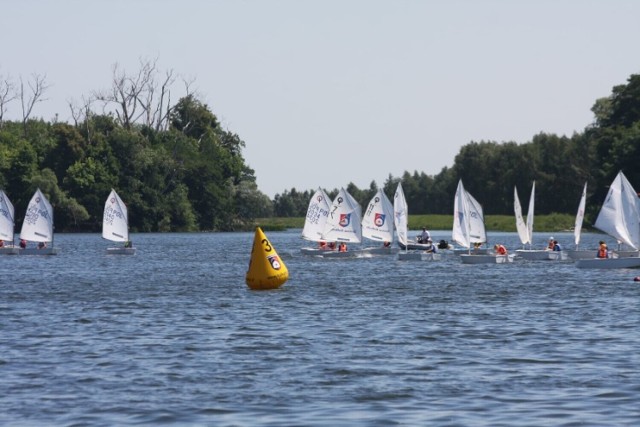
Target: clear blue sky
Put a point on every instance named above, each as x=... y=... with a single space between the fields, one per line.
x=330 y=92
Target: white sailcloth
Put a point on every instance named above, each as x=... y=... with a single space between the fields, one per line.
x=530 y=213
x=400 y=215
x=343 y=222
x=477 y=230
x=38 y=221
x=577 y=228
x=115 y=223
x=619 y=216
x=317 y=214
x=461 y=233
x=520 y=224
x=377 y=221
x=6 y=218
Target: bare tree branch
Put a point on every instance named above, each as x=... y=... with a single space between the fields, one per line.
x=37 y=88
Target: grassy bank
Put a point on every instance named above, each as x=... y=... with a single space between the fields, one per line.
x=550 y=223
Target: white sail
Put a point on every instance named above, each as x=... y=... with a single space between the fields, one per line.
x=619 y=216
x=577 y=228
x=377 y=221
x=38 y=221
x=460 y=233
x=520 y=225
x=400 y=215
x=317 y=214
x=530 y=213
x=477 y=230
x=6 y=218
x=115 y=223
x=343 y=222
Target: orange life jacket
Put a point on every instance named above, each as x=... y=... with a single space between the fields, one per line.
x=602 y=253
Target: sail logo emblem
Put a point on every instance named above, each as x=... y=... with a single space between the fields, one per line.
x=345 y=220
x=379 y=219
x=319 y=199
x=274 y=261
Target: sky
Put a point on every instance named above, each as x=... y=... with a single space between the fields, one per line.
x=330 y=92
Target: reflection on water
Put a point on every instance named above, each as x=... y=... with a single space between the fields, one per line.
x=173 y=335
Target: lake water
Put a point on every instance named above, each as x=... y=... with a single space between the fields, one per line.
x=173 y=336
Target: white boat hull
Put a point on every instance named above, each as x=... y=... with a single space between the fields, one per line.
x=625 y=254
x=347 y=254
x=485 y=259
x=9 y=250
x=418 y=256
x=121 y=251
x=380 y=251
x=478 y=251
x=36 y=251
x=609 y=263
x=541 y=255
x=315 y=251
x=578 y=254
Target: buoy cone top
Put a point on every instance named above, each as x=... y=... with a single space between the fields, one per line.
x=266 y=269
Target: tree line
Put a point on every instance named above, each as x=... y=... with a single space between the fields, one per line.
x=178 y=169
x=559 y=165
x=172 y=163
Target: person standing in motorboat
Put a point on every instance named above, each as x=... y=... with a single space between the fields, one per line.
x=425 y=236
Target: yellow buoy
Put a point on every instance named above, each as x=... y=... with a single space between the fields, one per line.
x=266 y=269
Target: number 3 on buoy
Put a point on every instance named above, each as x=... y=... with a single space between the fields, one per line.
x=266 y=269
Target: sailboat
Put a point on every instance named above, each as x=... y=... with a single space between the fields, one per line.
x=525 y=232
x=619 y=217
x=401 y=219
x=343 y=224
x=469 y=228
x=115 y=225
x=314 y=223
x=7 y=226
x=38 y=226
x=378 y=224
x=577 y=230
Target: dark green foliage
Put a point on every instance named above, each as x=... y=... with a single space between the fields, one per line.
x=190 y=177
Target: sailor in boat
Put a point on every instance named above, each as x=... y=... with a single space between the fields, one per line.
x=23 y=243
x=556 y=246
x=603 y=252
x=551 y=244
x=332 y=246
x=128 y=244
x=42 y=245
x=386 y=244
x=1 y=243
x=430 y=248
x=342 y=247
x=500 y=249
x=322 y=245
